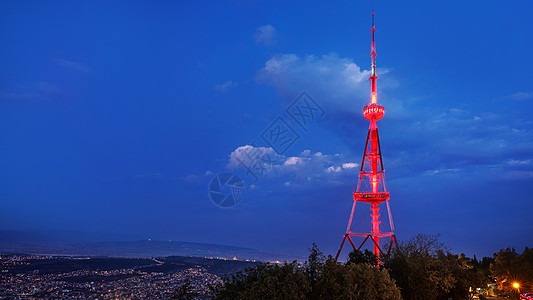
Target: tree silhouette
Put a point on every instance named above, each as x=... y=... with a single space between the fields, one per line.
x=318 y=278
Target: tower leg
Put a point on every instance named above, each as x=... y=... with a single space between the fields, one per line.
x=347 y=234
x=375 y=228
x=390 y=245
x=348 y=228
x=376 y=247
x=391 y=222
x=340 y=248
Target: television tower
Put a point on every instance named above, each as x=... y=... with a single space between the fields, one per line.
x=371 y=187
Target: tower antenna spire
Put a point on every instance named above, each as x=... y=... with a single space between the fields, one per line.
x=373 y=77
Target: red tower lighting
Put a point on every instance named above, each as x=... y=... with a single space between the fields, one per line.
x=371 y=188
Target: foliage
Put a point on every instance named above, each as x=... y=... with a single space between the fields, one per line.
x=509 y=267
x=466 y=277
x=421 y=268
x=359 y=257
x=267 y=281
x=365 y=281
x=414 y=267
x=483 y=267
x=424 y=269
x=355 y=281
x=314 y=266
x=318 y=278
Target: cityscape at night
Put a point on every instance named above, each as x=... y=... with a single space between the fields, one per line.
x=231 y=150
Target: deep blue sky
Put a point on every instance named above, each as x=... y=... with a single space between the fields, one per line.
x=114 y=117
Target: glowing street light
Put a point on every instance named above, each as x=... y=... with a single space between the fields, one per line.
x=516 y=285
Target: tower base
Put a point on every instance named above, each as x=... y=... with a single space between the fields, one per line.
x=375 y=240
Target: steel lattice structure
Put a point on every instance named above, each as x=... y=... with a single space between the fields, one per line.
x=371 y=188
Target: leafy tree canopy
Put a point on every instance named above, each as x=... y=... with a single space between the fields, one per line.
x=318 y=278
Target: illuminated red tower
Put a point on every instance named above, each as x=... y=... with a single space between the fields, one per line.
x=371 y=187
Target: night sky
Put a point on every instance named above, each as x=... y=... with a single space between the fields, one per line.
x=116 y=115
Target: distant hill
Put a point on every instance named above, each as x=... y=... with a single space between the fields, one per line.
x=140 y=248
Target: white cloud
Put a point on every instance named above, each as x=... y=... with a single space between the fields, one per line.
x=349 y=165
x=246 y=153
x=265 y=35
x=292 y=161
x=305 y=168
x=334 y=169
x=517 y=162
x=337 y=83
x=224 y=87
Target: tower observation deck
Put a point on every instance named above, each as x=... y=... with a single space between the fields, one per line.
x=371 y=188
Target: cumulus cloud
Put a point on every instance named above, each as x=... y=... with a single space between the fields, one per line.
x=265 y=35
x=292 y=161
x=349 y=165
x=305 y=168
x=337 y=83
x=247 y=153
x=224 y=87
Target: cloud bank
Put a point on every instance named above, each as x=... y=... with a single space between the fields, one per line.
x=304 y=169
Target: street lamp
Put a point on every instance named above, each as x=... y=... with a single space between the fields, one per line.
x=516 y=285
